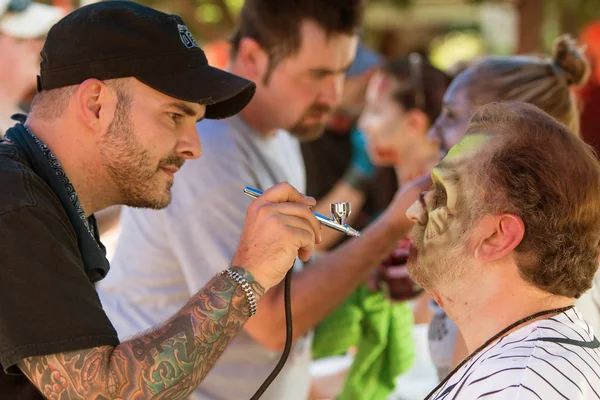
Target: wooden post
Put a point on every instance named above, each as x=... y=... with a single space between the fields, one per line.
x=531 y=16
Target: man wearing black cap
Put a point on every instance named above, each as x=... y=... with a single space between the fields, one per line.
x=120 y=91
x=298 y=52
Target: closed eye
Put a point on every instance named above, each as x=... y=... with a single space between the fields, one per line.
x=451 y=116
x=320 y=74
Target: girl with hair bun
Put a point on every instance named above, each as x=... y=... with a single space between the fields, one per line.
x=543 y=82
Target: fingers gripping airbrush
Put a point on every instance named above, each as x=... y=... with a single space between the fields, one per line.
x=339 y=214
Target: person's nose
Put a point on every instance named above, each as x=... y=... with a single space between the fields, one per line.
x=331 y=92
x=417 y=213
x=189 y=145
x=434 y=136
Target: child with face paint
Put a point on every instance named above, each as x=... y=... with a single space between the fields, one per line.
x=403 y=100
x=543 y=82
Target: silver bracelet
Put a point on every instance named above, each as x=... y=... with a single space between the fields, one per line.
x=240 y=280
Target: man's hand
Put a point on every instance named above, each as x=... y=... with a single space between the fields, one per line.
x=279 y=227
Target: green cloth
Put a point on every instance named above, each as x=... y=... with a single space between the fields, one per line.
x=381 y=331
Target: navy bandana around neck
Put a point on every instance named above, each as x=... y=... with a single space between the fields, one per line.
x=47 y=167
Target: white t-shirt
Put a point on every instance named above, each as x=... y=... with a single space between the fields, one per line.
x=554 y=358
x=164 y=257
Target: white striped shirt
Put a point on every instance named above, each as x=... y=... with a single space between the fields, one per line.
x=554 y=358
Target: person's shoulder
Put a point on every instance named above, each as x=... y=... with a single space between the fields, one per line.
x=217 y=134
x=499 y=374
x=225 y=144
x=540 y=371
x=225 y=152
x=550 y=358
x=21 y=186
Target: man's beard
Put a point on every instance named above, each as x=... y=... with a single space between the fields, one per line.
x=305 y=131
x=438 y=263
x=130 y=167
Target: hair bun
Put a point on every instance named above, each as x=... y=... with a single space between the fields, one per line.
x=570 y=60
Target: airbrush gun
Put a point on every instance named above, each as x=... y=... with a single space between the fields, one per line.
x=339 y=214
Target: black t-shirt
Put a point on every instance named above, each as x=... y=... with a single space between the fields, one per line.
x=48 y=305
x=326 y=160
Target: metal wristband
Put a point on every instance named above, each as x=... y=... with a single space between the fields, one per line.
x=240 y=280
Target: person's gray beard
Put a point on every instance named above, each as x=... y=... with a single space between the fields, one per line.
x=446 y=268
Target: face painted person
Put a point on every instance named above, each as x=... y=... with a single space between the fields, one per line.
x=120 y=91
x=505 y=241
x=544 y=82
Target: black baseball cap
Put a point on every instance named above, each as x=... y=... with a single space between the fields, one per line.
x=120 y=39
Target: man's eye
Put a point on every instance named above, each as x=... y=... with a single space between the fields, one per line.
x=439 y=198
x=319 y=75
x=451 y=116
x=175 y=117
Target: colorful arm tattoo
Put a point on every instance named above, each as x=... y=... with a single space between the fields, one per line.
x=168 y=362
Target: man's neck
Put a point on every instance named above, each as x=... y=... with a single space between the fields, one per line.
x=254 y=113
x=257 y=119
x=78 y=158
x=493 y=302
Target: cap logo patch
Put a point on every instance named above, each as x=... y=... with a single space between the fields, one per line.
x=186 y=37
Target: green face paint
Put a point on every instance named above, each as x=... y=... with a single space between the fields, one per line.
x=448 y=172
x=468 y=145
x=447 y=176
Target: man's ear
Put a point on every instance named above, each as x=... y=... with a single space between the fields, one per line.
x=498 y=236
x=95 y=104
x=253 y=59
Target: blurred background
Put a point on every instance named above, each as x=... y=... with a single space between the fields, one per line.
x=448 y=31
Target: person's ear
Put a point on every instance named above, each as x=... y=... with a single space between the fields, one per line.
x=253 y=59
x=95 y=104
x=417 y=122
x=498 y=235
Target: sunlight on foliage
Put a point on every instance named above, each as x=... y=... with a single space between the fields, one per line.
x=234 y=5
x=209 y=13
x=456 y=47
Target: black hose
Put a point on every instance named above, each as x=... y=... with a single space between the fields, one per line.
x=288 y=336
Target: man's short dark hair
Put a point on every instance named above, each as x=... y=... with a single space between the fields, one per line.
x=548 y=177
x=275 y=24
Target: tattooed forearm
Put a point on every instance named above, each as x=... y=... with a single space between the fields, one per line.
x=168 y=362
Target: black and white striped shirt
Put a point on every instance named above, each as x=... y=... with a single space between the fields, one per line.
x=554 y=358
